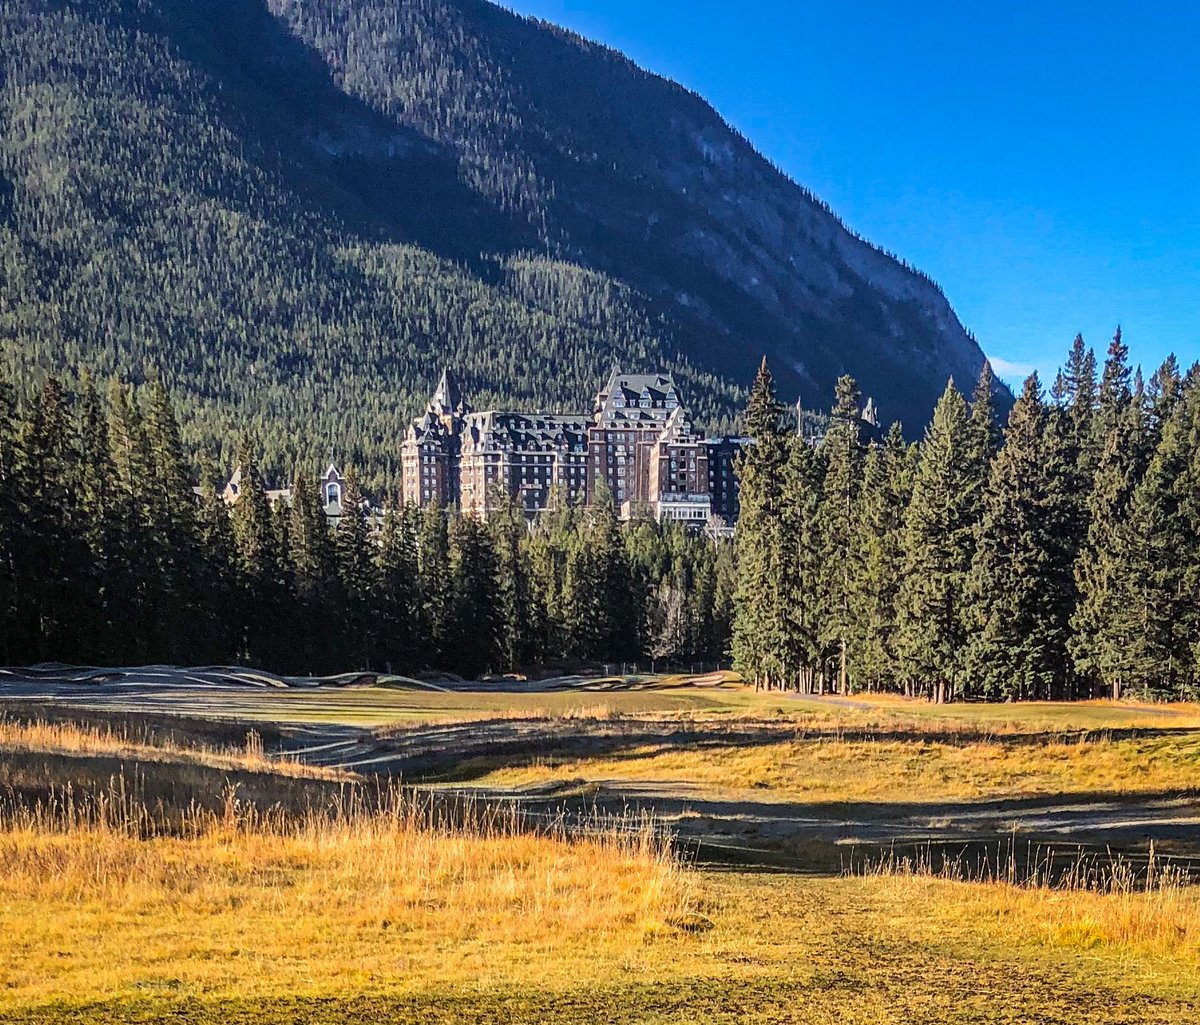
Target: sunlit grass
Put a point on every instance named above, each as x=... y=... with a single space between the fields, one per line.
x=66 y=738
x=101 y=896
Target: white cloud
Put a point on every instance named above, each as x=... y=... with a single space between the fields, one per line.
x=1009 y=370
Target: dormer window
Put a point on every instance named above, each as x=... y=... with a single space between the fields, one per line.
x=333 y=493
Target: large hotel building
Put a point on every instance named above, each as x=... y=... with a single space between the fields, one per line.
x=637 y=441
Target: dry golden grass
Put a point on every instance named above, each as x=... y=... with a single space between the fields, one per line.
x=894 y=761
x=1156 y=914
x=39 y=737
x=100 y=897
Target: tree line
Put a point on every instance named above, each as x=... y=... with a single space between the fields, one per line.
x=109 y=554
x=1056 y=559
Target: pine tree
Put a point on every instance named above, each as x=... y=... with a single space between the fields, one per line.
x=1022 y=588
x=399 y=597
x=436 y=585
x=879 y=544
x=105 y=619
x=760 y=617
x=1098 y=644
x=258 y=559
x=939 y=542
x=219 y=628
x=11 y=525
x=314 y=575
x=801 y=595
x=842 y=452
x=356 y=575
x=474 y=604
x=1156 y=615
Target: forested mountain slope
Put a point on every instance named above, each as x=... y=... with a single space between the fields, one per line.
x=300 y=210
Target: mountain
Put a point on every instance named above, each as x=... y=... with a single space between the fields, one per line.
x=299 y=210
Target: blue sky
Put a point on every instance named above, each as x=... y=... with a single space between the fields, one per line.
x=1040 y=160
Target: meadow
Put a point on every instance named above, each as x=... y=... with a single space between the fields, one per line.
x=154 y=869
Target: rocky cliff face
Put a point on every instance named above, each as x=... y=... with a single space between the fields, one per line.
x=612 y=167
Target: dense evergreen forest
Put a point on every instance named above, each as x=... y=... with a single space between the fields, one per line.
x=1057 y=560
x=299 y=213
x=108 y=556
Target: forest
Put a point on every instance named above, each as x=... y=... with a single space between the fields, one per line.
x=1056 y=559
x=111 y=555
x=297 y=213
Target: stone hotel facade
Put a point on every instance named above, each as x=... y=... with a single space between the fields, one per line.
x=637 y=441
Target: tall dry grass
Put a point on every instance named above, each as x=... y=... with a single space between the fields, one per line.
x=1084 y=900
x=242 y=898
x=67 y=738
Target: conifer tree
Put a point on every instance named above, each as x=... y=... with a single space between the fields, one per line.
x=801 y=596
x=1098 y=644
x=879 y=544
x=11 y=525
x=985 y=426
x=53 y=548
x=760 y=620
x=520 y=614
x=139 y=556
x=171 y=527
x=399 y=597
x=474 y=604
x=436 y=584
x=1081 y=398
x=219 y=622
x=356 y=574
x=939 y=542
x=104 y=620
x=1156 y=583
x=842 y=452
x=258 y=560
x=1021 y=587
x=315 y=581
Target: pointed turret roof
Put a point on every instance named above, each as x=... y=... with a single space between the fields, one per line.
x=448 y=397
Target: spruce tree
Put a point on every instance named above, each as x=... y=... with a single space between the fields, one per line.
x=11 y=524
x=939 y=542
x=520 y=613
x=315 y=581
x=105 y=620
x=172 y=528
x=219 y=625
x=760 y=617
x=801 y=594
x=436 y=585
x=1156 y=614
x=356 y=575
x=258 y=559
x=879 y=556
x=1098 y=645
x=474 y=603
x=1021 y=587
x=53 y=560
x=842 y=452
x=399 y=598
